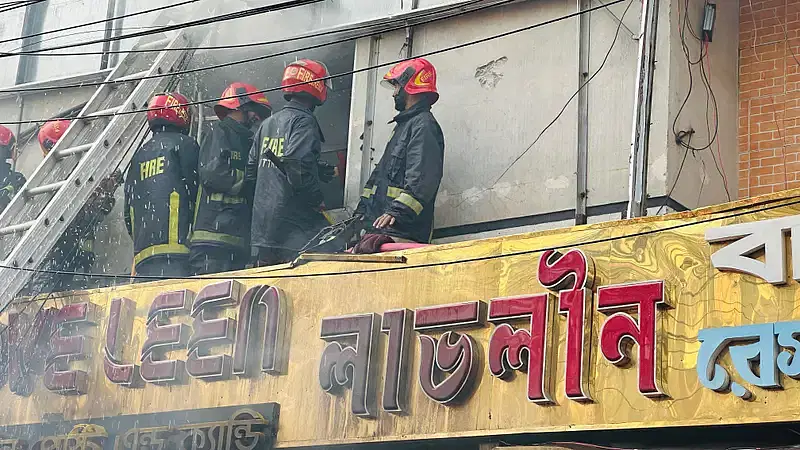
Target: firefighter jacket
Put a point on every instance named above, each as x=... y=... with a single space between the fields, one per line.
x=10 y=183
x=406 y=180
x=287 y=200
x=160 y=189
x=222 y=215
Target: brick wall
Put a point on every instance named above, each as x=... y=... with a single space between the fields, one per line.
x=769 y=96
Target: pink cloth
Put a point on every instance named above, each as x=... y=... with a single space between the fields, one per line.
x=401 y=246
x=393 y=247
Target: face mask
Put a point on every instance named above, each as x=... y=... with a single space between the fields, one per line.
x=400 y=100
x=253 y=120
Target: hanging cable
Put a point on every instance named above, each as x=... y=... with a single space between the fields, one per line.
x=569 y=100
x=193 y=23
x=270 y=42
x=253 y=59
x=24 y=4
x=721 y=165
x=96 y=22
x=678 y=176
x=355 y=71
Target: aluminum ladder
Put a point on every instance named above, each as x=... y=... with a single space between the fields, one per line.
x=90 y=150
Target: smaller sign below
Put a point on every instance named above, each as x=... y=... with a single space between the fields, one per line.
x=759 y=354
x=251 y=427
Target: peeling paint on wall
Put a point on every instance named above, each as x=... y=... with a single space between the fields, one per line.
x=488 y=75
x=561 y=182
x=659 y=168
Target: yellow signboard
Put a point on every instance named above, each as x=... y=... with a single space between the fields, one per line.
x=643 y=323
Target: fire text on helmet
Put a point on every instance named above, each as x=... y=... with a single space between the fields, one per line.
x=304 y=75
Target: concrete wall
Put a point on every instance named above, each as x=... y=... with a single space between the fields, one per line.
x=60 y=14
x=10 y=27
x=701 y=182
x=496 y=98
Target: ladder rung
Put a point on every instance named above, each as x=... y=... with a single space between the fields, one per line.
x=155 y=44
x=11 y=229
x=132 y=77
x=74 y=150
x=45 y=188
x=103 y=112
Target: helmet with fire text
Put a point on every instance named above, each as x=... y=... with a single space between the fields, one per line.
x=50 y=133
x=243 y=97
x=169 y=110
x=415 y=76
x=7 y=143
x=299 y=79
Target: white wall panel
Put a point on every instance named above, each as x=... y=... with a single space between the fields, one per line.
x=65 y=13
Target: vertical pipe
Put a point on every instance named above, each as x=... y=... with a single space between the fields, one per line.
x=118 y=24
x=18 y=133
x=643 y=99
x=32 y=24
x=369 y=114
x=409 y=44
x=111 y=8
x=582 y=172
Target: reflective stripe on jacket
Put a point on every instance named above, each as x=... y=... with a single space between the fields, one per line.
x=287 y=200
x=222 y=214
x=160 y=188
x=406 y=180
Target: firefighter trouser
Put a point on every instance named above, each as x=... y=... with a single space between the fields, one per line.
x=163 y=266
x=269 y=256
x=208 y=259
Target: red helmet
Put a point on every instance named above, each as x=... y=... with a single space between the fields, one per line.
x=169 y=109
x=248 y=95
x=305 y=71
x=7 y=142
x=50 y=133
x=416 y=76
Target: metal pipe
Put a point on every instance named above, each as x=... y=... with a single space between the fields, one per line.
x=643 y=102
x=119 y=11
x=582 y=182
x=369 y=114
x=21 y=106
x=110 y=10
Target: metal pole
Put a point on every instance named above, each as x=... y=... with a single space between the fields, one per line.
x=409 y=44
x=582 y=181
x=111 y=9
x=643 y=100
x=369 y=114
x=121 y=6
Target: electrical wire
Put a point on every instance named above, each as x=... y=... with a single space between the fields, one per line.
x=569 y=100
x=253 y=59
x=21 y=5
x=686 y=24
x=739 y=212
x=710 y=93
x=350 y=72
x=193 y=23
x=77 y=33
x=677 y=177
x=711 y=99
x=261 y=43
x=96 y=22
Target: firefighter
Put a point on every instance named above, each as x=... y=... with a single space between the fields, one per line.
x=10 y=181
x=160 y=189
x=398 y=199
x=220 y=240
x=74 y=251
x=284 y=163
